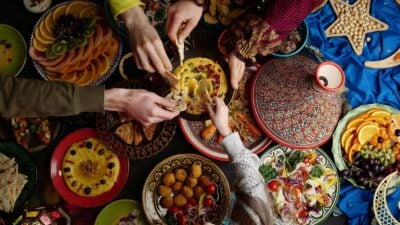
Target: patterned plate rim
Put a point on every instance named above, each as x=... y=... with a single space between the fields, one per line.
x=113 y=62
x=329 y=161
x=148 y=196
x=336 y=147
x=199 y=146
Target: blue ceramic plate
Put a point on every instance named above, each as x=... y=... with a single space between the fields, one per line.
x=12 y=51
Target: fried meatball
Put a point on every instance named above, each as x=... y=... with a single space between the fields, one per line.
x=204 y=181
x=191 y=181
x=177 y=186
x=198 y=191
x=180 y=175
x=164 y=191
x=195 y=170
x=180 y=200
x=187 y=191
x=167 y=202
x=168 y=179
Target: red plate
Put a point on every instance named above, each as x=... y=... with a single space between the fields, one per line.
x=62 y=188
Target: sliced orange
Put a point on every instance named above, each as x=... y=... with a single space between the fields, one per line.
x=49 y=25
x=362 y=116
x=88 y=12
x=38 y=45
x=377 y=120
x=349 y=142
x=48 y=34
x=366 y=132
x=354 y=123
x=41 y=38
x=58 y=12
x=361 y=125
x=382 y=114
x=353 y=149
x=346 y=134
x=369 y=111
x=75 y=8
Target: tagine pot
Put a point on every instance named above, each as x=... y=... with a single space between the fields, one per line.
x=297 y=101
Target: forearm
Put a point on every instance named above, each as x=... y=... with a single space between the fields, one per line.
x=34 y=98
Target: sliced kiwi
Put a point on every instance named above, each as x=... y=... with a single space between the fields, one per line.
x=50 y=54
x=80 y=42
x=71 y=45
x=59 y=48
x=87 y=32
x=90 y=21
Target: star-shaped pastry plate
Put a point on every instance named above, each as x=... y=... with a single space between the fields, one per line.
x=354 y=22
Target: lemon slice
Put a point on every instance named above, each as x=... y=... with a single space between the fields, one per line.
x=366 y=132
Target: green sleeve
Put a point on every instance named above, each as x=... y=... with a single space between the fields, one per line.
x=119 y=6
x=34 y=98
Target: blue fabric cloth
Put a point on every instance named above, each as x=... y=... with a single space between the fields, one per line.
x=365 y=85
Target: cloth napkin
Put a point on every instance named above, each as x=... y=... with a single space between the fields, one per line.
x=365 y=85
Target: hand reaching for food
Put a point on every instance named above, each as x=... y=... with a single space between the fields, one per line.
x=220 y=116
x=144 y=106
x=145 y=42
x=182 y=18
x=236 y=67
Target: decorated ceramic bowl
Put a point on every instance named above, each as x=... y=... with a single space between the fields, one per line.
x=303 y=184
x=298 y=37
x=204 y=197
x=73 y=42
x=365 y=144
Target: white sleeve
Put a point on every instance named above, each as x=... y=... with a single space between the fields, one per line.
x=248 y=178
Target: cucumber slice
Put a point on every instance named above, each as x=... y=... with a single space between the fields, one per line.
x=90 y=21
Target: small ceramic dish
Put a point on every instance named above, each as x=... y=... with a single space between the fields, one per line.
x=12 y=51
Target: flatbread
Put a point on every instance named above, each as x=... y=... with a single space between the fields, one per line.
x=7 y=164
x=125 y=132
x=8 y=175
x=149 y=131
x=137 y=134
x=20 y=184
x=181 y=51
x=180 y=103
x=3 y=158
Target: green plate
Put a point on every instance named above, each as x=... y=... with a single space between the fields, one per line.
x=336 y=147
x=25 y=166
x=114 y=211
x=12 y=51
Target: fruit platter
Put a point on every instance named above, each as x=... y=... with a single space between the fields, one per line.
x=72 y=42
x=366 y=144
x=303 y=184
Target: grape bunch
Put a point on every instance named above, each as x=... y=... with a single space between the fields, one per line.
x=368 y=170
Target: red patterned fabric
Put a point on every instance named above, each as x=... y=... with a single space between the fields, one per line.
x=252 y=35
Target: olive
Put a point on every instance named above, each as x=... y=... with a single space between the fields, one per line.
x=102 y=181
x=66 y=169
x=87 y=190
x=110 y=165
x=74 y=183
x=101 y=152
x=89 y=145
x=73 y=152
x=397 y=132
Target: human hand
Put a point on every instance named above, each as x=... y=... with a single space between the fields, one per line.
x=182 y=18
x=144 y=106
x=148 y=49
x=220 y=116
x=236 y=67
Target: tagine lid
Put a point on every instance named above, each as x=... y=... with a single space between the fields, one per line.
x=298 y=102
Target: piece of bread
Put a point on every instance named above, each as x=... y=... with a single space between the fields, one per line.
x=125 y=132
